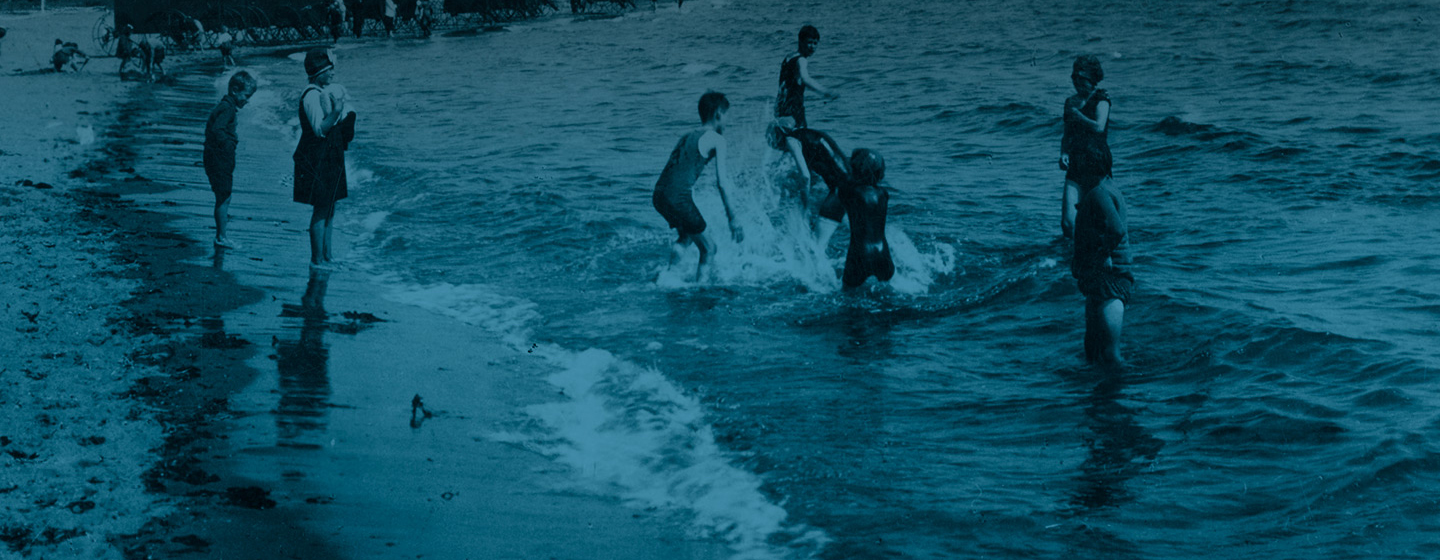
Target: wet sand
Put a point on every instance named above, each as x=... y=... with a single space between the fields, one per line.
x=162 y=399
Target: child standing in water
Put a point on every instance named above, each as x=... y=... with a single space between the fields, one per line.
x=1087 y=120
x=327 y=124
x=1101 y=267
x=220 y=144
x=673 y=197
x=795 y=79
x=866 y=203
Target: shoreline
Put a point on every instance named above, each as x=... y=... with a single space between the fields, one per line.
x=200 y=343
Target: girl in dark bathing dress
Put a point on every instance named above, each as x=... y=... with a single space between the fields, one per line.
x=866 y=203
x=1087 y=122
x=326 y=127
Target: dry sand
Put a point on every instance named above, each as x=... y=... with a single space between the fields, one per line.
x=145 y=377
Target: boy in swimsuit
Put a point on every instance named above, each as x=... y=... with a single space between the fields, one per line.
x=795 y=79
x=1101 y=267
x=220 y=143
x=866 y=202
x=673 y=198
x=825 y=158
x=1087 y=118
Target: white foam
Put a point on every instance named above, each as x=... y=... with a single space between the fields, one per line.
x=779 y=243
x=625 y=428
x=473 y=304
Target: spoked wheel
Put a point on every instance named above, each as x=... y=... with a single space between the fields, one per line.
x=104 y=34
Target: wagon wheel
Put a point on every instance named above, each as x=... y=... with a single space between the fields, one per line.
x=104 y=34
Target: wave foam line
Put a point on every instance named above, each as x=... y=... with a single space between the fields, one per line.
x=626 y=430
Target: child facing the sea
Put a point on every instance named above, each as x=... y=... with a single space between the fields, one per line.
x=220 y=144
x=327 y=124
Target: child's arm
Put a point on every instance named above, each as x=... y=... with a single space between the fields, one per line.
x=798 y=152
x=1112 y=220
x=323 y=115
x=1102 y=112
x=724 y=183
x=810 y=83
x=223 y=130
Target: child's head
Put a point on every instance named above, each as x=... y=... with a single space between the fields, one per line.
x=866 y=167
x=1087 y=72
x=809 y=39
x=318 y=66
x=242 y=86
x=713 y=106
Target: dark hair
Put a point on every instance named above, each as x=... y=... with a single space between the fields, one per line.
x=710 y=103
x=867 y=167
x=809 y=32
x=1089 y=65
x=242 y=80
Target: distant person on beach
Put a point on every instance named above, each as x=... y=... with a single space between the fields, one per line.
x=154 y=58
x=423 y=18
x=866 y=203
x=335 y=14
x=825 y=158
x=1087 y=120
x=357 y=15
x=389 y=18
x=126 y=50
x=327 y=124
x=795 y=79
x=68 y=56
x=226 y=43
x=673 y=197
x=1101 y=266
x=220 y=143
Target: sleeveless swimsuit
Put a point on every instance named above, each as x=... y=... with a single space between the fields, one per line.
x=790 y=102
x=1090 y=158
x=869 y=253
x=672 y=197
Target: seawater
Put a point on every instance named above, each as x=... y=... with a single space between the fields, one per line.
x=1279 y=163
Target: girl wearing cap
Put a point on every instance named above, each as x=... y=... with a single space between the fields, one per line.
x=1084 y=148
x=327 y=124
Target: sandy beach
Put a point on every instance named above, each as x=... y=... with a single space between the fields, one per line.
x=140 y=387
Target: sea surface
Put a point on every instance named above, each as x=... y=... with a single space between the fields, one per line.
x=1280 y=164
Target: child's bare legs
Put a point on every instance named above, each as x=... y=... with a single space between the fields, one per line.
x=1068 y=200
x=701 y=242
x=320 y=222
x=222 y=220
x=1103 y=323
x=823 y=231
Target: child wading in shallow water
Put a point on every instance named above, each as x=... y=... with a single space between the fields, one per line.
x=866 y=203
x=220 y=143
x=327 y=124
x=1087 y=118
x=1101 y=267
x=673 y=198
